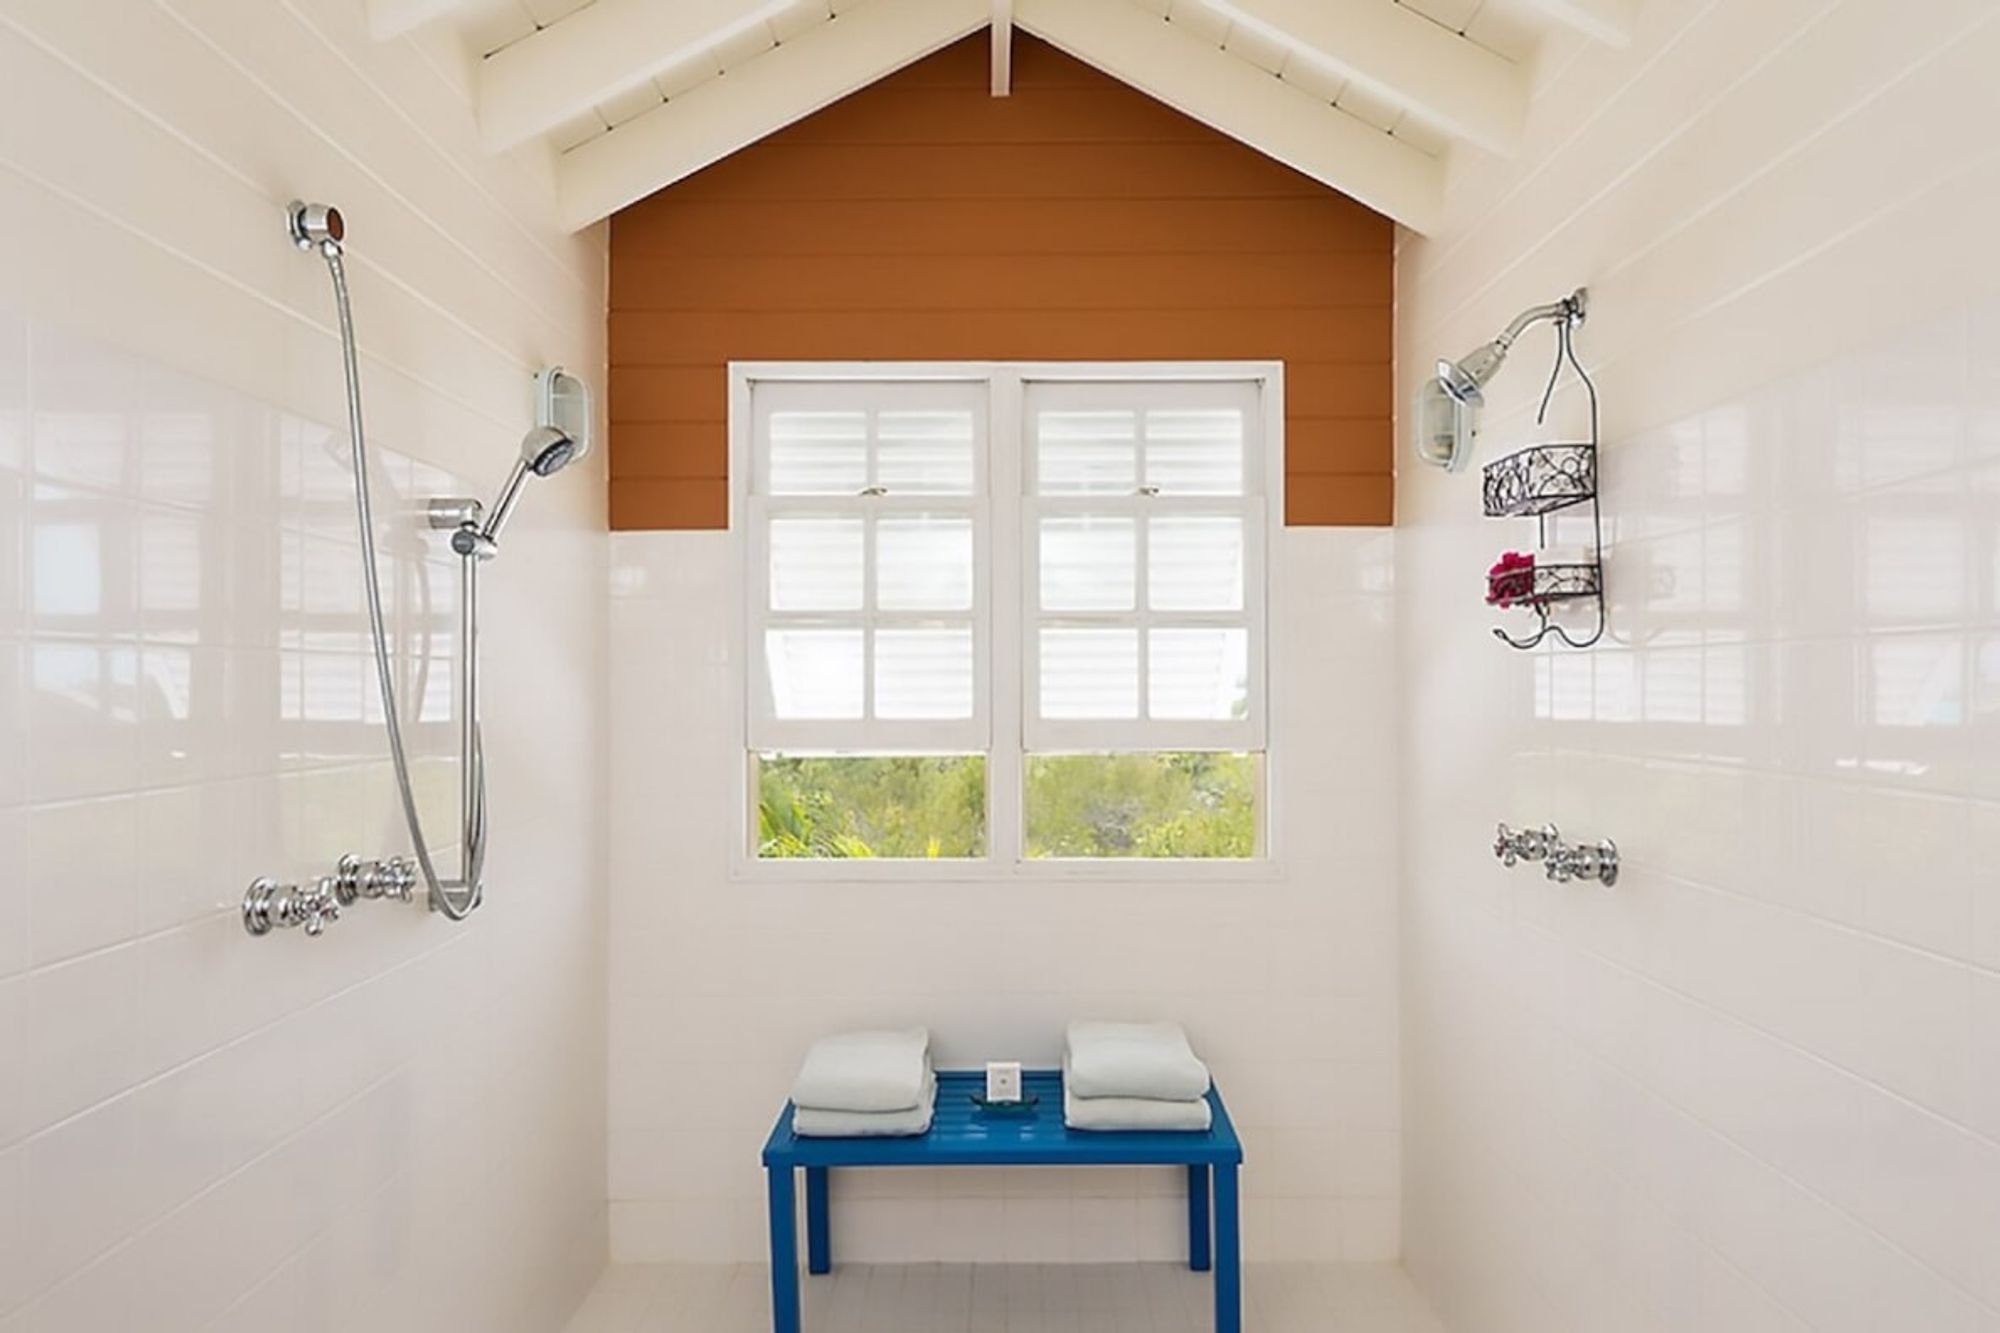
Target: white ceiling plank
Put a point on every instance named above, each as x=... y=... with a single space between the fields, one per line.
x=1231 y=95
x=1399 y=55
x=1608 y=21
x=389 y=19
x=783 y=85
x=1003 y=47
x=597 y=53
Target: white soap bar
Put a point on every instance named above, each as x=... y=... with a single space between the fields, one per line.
x=1003 y=1080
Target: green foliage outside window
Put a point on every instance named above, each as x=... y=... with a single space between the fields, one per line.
x=1194 y=805
x=915 y=806
x=1091 y=806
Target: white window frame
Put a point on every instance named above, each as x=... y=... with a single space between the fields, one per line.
x=1001 y=638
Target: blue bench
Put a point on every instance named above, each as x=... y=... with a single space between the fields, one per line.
x=963 y=1135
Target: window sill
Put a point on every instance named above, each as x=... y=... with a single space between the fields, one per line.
x=746 y=871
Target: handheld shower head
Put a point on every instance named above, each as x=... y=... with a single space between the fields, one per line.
x=548 y=451
x=545 y=451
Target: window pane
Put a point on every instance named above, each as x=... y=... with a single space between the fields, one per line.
x=815 y=673
x=924 y=453
x=1198 y=674
x=923 y=673
x=923 y=563
x=866 y=806
x=1195 y=451
x=818 y=453
x=1086 y=453
x=1186 y=805
x=1090 y=673
x=1087 y=563
x=815 y=564
x=1195 y=563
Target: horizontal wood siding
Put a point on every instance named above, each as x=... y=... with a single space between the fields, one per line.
x=923 y=219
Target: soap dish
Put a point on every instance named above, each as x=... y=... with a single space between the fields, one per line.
x=1026 y=1106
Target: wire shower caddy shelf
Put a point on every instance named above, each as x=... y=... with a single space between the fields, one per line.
x=1536 y=482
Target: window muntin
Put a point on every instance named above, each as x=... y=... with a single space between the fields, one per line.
x=1123 y=522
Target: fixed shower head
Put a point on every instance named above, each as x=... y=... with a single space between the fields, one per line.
x=315 y=226
x=1465 y=378
x=1447 y=402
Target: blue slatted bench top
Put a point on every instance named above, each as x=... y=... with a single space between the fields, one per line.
x=961 y=1134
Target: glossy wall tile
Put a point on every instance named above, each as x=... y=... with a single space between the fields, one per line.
x=1753 y=1086
x=193 y=704
x=199 y=1130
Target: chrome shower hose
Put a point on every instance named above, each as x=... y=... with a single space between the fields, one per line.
x=456 y=899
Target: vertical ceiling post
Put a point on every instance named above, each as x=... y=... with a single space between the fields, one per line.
x=1003 y=47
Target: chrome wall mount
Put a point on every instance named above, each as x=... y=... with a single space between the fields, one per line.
x=1561 y=861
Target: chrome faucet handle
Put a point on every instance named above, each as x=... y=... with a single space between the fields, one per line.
x=269 y=905
x=356 y=877
x=1599 y=862
x=396 y=878
x=1506 y=846
x=320 y=905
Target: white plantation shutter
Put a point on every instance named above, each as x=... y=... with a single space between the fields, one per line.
x=1143 y=536
x=869 y=536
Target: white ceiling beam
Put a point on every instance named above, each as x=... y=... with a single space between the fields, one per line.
x=761 y=96
x=389 y=19
x=1611 y=22
x=1397 y=54
x=1003 y=47
x=596 y=53
x=1244 y=102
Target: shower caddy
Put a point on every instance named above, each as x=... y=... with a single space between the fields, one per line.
x=1536 y=482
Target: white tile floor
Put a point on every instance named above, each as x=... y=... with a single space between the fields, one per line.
x=1005 y=1298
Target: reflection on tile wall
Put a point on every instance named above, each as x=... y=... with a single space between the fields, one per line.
x=189 y=1119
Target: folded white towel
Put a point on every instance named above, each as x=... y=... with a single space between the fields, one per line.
x=1144 y=1060
x=1132 y=1113
x=865 y=1071
x=812 y=1124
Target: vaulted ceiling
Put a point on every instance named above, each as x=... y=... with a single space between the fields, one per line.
x=1376 y=98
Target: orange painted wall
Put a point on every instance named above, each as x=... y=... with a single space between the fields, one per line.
x=924 y=219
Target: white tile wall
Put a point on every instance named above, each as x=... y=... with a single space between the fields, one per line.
x=399 y=1125
x=717 y=986
x=1752 y=1087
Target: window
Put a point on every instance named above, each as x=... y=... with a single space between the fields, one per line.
x=1006 y=617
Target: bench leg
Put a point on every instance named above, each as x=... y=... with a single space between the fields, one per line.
x=819 y=1230
x=1228 y=1253
x=1198 y=1252
x=784 y=1250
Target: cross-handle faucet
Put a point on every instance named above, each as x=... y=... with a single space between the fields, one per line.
x=269 y=905
x=1513 y=846
x=1563 y=861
